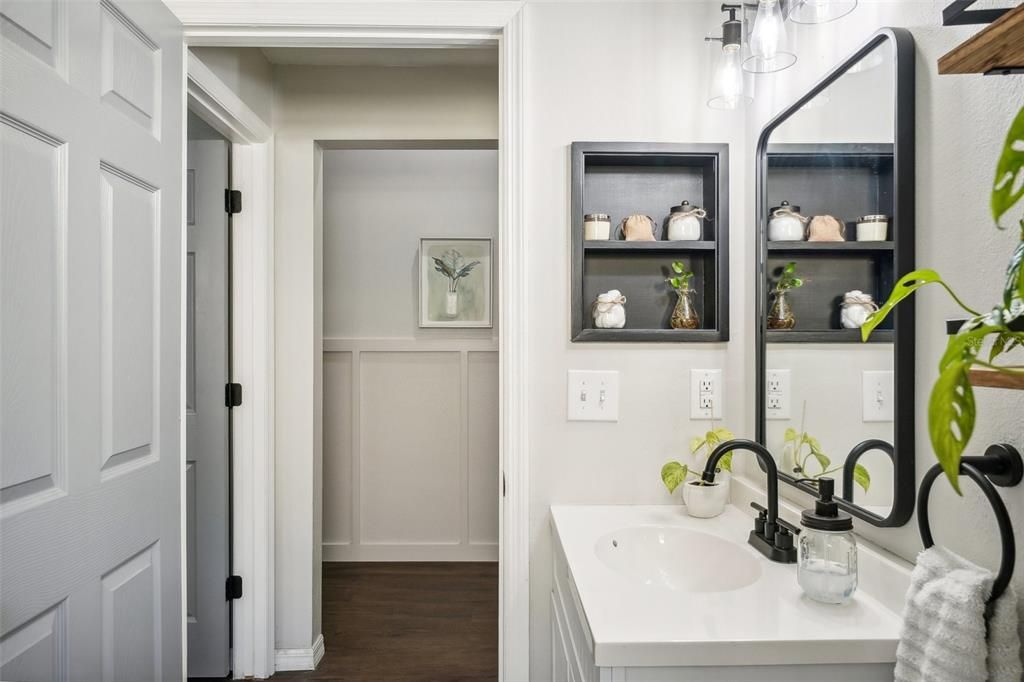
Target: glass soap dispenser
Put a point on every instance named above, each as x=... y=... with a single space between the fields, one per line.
x=827 y=568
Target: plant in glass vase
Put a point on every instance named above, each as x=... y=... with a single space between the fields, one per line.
x=951 y=406
x=780 y=315
x=684 y=315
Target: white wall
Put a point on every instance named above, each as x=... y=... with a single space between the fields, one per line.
x=411 y=415
x=247 y=72
x=629 y=72
x=315 y=104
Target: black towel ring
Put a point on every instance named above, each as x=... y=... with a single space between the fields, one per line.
x=1000 y=465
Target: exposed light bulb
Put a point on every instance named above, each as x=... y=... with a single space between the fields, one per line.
x=768 y=31
x=768 y=51
x=728 y=84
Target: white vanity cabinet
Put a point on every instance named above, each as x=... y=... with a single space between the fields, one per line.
x=606 y=629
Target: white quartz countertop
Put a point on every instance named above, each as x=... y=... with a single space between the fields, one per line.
x=767 y=622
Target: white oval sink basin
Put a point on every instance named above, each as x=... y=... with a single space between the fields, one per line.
x=678 y=559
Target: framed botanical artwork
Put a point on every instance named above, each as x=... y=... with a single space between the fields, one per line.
x=455 y=282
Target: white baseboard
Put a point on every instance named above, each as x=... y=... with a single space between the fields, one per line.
x=299 y=659
x=337 y=551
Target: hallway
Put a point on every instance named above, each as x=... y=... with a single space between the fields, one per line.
x=401 y=622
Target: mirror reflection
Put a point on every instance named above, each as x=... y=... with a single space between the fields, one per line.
x=829 y=261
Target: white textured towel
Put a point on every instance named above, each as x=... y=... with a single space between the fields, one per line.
x=943 y=637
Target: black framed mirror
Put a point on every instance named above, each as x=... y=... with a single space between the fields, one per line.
x=835 y=228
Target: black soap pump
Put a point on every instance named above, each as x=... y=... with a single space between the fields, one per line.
x=827 y=569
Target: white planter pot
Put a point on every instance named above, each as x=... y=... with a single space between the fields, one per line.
x=451 y=303
x=706 y=501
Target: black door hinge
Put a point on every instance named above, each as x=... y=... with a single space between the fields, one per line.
x=233 y=201
x=232 y=395
x=233 y=587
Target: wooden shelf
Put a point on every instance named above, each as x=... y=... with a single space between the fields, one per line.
x=998 y=46
x=826 y=336
x=620 y=245
x=991 y=379
x=830 y=247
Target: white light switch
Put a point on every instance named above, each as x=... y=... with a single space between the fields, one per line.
x=878 y=396
x=777 y=394
x=593 y=396
x=705 y=394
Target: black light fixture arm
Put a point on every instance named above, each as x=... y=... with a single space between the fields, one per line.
x=771 y=536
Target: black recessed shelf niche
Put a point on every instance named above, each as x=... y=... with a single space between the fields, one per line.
x=623 y=178
x=847 y=181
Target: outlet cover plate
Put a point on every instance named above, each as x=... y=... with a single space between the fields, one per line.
x=706 y=394
x=593 y=396
x=777 y=396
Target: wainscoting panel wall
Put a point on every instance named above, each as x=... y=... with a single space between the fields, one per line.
x=410 y=450
x=410 y=420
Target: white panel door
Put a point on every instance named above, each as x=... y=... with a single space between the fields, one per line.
x=91 y=248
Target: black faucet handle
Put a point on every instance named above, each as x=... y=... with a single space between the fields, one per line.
x=762 y=518
x=762 y=513
x=785 y=525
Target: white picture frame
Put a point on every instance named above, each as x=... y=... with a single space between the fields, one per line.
x=464 y=301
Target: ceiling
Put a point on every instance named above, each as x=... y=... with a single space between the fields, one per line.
x=476 y=55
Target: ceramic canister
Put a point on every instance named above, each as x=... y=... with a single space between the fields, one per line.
x=785 y=224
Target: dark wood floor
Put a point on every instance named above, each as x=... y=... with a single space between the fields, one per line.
x=398 y=622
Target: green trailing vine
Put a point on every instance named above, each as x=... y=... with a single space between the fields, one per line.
x=952 y=411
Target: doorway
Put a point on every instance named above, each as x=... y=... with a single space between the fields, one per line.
x=207 y=417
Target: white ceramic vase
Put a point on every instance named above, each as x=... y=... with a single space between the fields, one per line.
x=451 y=303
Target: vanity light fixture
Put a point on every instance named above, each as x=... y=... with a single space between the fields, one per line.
x=819 y=11
x=727 y=90
x=769 y=47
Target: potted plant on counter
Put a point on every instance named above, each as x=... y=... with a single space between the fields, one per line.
x=703 y=500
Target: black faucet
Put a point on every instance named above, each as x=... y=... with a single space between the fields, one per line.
x=771 y=536
x=851 y=461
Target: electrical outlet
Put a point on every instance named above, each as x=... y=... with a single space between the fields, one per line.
x=777 y=394
x=593 y=396
x=706 y=394
x=878 y=396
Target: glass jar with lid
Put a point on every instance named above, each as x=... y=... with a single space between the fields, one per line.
x=785 y=224
x=684 y=222
x=827 y=567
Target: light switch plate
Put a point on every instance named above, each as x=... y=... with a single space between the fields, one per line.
x=706 y=394
x=878 y=395
x=593 y=396
x=777 y=396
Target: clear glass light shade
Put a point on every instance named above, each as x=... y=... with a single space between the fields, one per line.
x=727 y=80
x=820 y=11
x=769 y=47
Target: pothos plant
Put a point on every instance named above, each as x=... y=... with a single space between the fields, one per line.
x=681 y=280
x=788 y=279
x=951 y=406
x=453 y=265
x=673 y=474
x=795 y=442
